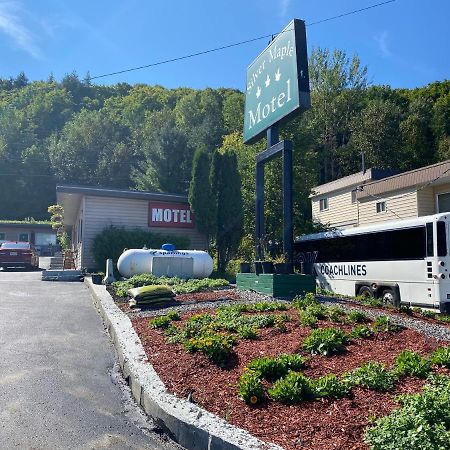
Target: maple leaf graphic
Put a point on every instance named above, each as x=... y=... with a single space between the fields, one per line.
x=267 y=81
x=258 y=92
x=277 y=75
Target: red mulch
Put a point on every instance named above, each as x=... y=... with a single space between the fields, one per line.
x=319 y=425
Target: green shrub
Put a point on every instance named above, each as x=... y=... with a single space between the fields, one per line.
x=311 y=314
x=429 y=314
x=160 y=322
x=273 y=368
x=384 y=323
x=356 y=317
x=173 y=315
x=370 y=301
x=112 y=240
x=300 y=302
x=216 y=346
x=441 y=357
x=330 y=386
x=360 y=331
x=423 y=421
x=197 y=325
x=335 y=314
x=250 y=387
x=411 y=363
x=325 y=341
x=291 y=389
x=371 y=375
x=280 y=321
x=247 y=332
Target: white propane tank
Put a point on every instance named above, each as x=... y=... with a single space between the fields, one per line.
x=171 y=263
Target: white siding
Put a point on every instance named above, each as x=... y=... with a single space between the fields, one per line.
x=341 y=212
x=426 y=202
x=399 y=205
x=102 y=212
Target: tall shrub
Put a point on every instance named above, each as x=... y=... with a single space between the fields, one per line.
x=201 y=196
x=226 y=187
x=111 y=242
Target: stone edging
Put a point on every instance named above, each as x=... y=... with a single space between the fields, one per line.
x=189 y=425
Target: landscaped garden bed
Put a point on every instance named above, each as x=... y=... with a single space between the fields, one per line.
x=300 y=375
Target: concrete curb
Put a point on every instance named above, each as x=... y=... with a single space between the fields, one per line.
x=188 y=424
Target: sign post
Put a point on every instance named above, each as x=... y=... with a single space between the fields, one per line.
x=277 y=89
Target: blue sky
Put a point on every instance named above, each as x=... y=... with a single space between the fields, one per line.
x=404 y=44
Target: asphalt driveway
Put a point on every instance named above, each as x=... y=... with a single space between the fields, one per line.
x=59 y=388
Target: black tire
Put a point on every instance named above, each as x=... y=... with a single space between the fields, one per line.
x=365 y=291
x=390 y=297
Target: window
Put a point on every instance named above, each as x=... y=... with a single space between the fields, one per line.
x=441 y=239
x=323 y=204
x=2 y=236
x=391 y=245
x=430 y=249
x=444 y=203
x=381 y=207
x=23 y=237
x=354 y=196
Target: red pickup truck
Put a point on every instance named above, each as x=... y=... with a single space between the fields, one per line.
x=18 y=254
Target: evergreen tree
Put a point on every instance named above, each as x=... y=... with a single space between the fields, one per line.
x=226 y=187
x=201 y=197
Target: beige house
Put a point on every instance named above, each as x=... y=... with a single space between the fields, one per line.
x=374 y=196
x=88 y=211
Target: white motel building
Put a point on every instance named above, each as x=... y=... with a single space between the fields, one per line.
x=89 y=210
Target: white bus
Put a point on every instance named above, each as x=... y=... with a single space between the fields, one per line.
x=401 y=262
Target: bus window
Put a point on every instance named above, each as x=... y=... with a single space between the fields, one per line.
x=441 y=239
x=430 y=251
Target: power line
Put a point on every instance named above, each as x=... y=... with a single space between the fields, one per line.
x=224 y=47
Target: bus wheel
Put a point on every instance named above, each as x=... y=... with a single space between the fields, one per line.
x=390 y=297
x=365 y=291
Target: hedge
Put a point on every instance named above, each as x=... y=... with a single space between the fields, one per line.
x=111 y=242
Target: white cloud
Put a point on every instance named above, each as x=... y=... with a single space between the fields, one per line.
x=11 y=24
x=382 y=41
x=284 y=6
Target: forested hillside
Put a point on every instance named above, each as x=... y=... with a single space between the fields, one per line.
x=144 y=137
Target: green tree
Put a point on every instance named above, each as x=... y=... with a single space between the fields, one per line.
x=201 y=196
x=166 y=157
x=226 y=187
x=376 y=133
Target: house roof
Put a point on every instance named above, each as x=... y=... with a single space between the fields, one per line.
x=435 y=174
x=119 y=193
x=70 y=197
x=355 y=180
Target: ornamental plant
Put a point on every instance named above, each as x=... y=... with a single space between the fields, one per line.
x=160 y=322
x=335 y=314
x=216 y=346
x=330 y=386
x=250 y=387
x=273 y=368
x=412 y=364
x=371 y=375
x=293 y=388
x=356 y=317
x=441 y=357
x=325 y=341
x=384 y=323
x=422 y=422
x=361 y=331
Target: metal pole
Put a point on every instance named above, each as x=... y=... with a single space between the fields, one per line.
x=259 y=210
x=288 y=226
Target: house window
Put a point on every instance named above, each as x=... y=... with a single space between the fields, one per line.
x=444 y=203
x=2 y=236
x=354 y=196
x=381 y=207
x=324 y=204
x=23 y=237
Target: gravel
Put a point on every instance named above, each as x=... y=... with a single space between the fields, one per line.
x=432 y=330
